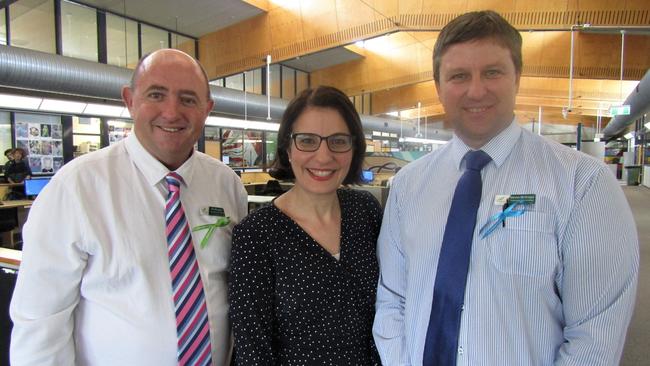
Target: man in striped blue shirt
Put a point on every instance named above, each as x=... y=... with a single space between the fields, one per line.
x=553 y=284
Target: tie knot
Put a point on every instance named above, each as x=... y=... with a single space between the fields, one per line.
x=476 y=160
x=173 y=181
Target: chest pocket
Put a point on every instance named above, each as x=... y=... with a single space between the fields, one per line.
x=526 y=246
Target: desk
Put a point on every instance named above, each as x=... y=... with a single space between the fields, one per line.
x=13 y=215
x=16 y=204
x=10 y=258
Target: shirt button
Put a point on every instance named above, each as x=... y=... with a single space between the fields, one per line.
x=460 y=350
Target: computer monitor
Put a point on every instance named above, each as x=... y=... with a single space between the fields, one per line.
x=34 y=186
x=367 y=176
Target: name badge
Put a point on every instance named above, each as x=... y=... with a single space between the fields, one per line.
x=213 y=211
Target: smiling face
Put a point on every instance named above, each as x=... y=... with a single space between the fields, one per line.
x=477 y=87
x=169 y=105
x=321 y=171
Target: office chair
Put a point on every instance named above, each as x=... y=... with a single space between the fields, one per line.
x=272 y=188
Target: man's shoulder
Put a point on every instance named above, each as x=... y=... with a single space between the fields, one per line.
x=209 y=165
x=92 y=163
x=539 y=147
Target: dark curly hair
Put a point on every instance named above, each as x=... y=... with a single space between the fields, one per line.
x=322 y=97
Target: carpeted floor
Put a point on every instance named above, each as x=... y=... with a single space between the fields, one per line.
x=637 y=345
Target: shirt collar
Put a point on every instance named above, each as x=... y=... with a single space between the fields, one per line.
x=498 y=147
x=153 y=170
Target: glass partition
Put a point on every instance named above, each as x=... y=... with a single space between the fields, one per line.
x=121 y=41
x=118 y=130
x=184 y=44
x=3 y=27
x=32 y=25
x=153 y=39
x=288 y=83
x=5 y=134
x=79 y=31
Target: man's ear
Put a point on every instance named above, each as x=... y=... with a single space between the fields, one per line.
x=209 y=106
x=127 y=96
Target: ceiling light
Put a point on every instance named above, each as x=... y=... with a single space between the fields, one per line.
x=238 y=123
x=62 y=106
x=18 y=101
x=104 y=110
x=629 y=135
x=423 y=141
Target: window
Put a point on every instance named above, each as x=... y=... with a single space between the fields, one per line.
x=79 y=31
x=3 y=27
x=271 y=145
x=184 y=44
x=212 y=142
x=302 y=81
x=32 y=25
x=254 y=81
x=5 y=134
x=85 y=135
x=217 y=82
x=232 y=147
x=366 y=103
x=275 y=81
x=118 y=130
x=153 y=39
x=235 y=82
x=288 y=83
x=121 y=41
x=253 y=149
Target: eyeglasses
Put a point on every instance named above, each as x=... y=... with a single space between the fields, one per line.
x=310 y=142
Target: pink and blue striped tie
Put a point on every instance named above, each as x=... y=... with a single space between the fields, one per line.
x=192 y=325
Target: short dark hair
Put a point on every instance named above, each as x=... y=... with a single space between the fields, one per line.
x=321 y=97
x=138 y=70
x=478 y=25
x=8 y=151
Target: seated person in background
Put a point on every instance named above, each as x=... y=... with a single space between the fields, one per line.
x=303 y=270
x=17 y=170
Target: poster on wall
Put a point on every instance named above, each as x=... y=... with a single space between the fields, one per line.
x=41 y=138
x=118 y=131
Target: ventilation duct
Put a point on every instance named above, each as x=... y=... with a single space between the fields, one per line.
x=639 y=101
x=38 y=71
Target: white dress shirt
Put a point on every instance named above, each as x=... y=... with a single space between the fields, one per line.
x=555 y=286
x=94 y=286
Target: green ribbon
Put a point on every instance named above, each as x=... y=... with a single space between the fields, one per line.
x=221 y=222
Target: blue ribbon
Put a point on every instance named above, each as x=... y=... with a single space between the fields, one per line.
x=500 y=217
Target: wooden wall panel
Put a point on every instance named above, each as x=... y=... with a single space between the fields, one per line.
x=309 y=26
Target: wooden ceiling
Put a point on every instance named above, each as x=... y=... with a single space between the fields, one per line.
x=396 y=67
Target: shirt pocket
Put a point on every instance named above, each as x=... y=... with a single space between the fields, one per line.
x=526 y=246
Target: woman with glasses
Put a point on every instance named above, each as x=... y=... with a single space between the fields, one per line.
x=304 y=270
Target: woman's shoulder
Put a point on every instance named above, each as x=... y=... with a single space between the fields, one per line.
x=259 y=219
x=359 y=198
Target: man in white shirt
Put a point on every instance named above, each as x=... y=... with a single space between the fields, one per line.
x=94 y=286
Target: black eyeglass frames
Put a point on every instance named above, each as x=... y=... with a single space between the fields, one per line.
x=310 y=142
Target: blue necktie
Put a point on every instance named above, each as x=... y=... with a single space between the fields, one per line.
x=441 y=344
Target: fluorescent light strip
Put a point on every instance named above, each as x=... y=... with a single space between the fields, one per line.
x=423 y=141
x=62 y=106
x=629 y=135
x=20 y=102
x=104 y=110
x=238 y=123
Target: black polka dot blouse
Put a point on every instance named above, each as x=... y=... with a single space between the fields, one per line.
x=293 y=303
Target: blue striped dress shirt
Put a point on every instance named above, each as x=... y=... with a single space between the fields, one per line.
x=555 y=286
